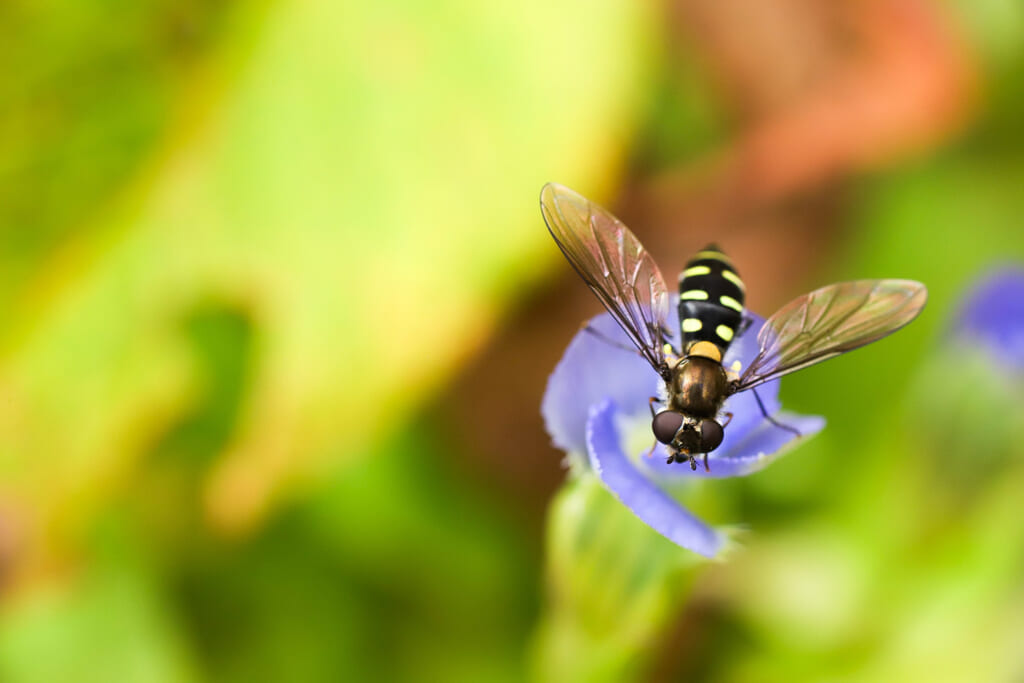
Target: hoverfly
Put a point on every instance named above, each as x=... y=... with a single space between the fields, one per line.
x=814 y=327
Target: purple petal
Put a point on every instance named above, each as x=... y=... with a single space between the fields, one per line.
x=993 y=314
x=752 y=452
x=652 y=505
x=591 y=371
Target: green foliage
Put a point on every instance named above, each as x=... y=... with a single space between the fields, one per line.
x=87 y=94
x=613 y=583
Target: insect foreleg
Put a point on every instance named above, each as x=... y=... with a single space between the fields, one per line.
x=653 y=446
x=651 y=402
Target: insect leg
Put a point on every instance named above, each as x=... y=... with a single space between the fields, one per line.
x=607 y=340
x=770 y=418
x=653 y=446
x=650 y=404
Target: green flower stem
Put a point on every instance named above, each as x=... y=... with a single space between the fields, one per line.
x=613 y=587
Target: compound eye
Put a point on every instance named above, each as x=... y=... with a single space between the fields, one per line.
x=711 y=435
x=665 y=425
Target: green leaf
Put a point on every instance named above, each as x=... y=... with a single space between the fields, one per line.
x=357 y=180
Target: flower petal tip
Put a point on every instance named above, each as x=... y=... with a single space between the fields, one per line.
x=653 y=506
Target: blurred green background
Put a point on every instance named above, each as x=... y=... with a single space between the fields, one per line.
x=278 y=309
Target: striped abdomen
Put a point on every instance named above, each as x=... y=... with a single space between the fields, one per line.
x=711 y=297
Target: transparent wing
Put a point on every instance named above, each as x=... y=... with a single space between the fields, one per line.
x=831 y=321
x=614 y=264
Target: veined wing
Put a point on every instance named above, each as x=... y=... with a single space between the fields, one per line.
x=831 y=321
x=614 y=264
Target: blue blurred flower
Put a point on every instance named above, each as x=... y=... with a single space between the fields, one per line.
x=992 y=316
x=598 y=393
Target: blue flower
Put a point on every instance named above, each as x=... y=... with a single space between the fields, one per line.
x=992 y=317
x=598 y=393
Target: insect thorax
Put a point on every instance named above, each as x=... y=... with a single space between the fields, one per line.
x=711 y=297
x=698 y=387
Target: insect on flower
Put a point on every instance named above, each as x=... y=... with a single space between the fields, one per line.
x=814 y=327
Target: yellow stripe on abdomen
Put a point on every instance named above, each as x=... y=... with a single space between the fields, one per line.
x=735 y=279
x=692 y=325
x=715 y=255
x=729 y=302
